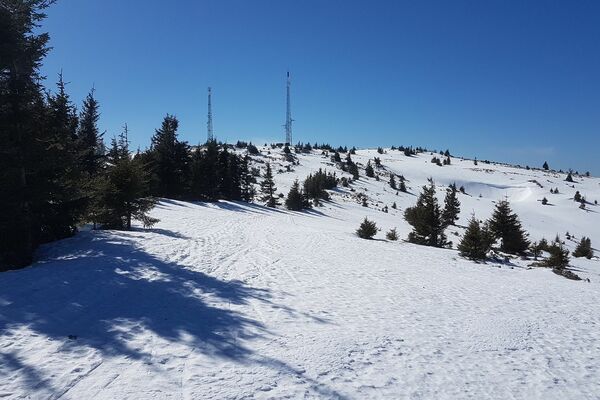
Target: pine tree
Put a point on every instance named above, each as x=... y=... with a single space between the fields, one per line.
x=392 y=234
x=426 y=219
x=545 y=166
x=296 y=201
x=559 y=256
x=65 y=201
x=169 y=160
x=584 y=249
x=505 y=226
x=22 y=129
x=475 y=243
x=89 y=137
x=392 y=181
x=569 y=178
x=451 y=206
x=121 y=194
x=369 y=170
x=350 y=166
x=267 y=188
x=402 y=187
x=246 y=180
x=367 y=229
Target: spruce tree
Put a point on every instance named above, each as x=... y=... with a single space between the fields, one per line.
x=558 y=258
x=23 y=132
x=369 y=170
x=392 y=235
x=475 y=243
x=267 y=188
x=351 y=167
x=505 y=226
x=402 y=187
x=246 y=180
x=367 y=229
x=169 y=160
x=569 y=178
x=584 y=248
x=296 y=201
x=89 y=137
x=426 y=219
x=121 y=193
x=64 y=203
x=392 y=181
x=545 y=166
x=451 y=206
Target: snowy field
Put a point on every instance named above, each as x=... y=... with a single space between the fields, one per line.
x=232 y=300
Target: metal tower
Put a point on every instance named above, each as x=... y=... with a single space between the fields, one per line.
x=209 y=124
x=288 y=114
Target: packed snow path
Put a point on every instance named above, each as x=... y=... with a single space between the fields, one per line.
x=230 y=301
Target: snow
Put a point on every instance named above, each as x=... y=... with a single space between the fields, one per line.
x=230 y=300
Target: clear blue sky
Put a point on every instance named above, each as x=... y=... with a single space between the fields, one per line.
x=515 y=81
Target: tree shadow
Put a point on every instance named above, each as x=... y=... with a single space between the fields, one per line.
x=239 y=206
x=111 y=291
x=160 y=231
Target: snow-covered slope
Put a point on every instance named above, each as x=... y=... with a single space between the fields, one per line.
x=234 y=300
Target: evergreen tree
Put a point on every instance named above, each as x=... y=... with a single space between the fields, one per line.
x=451 y=206
x=475 y=243
x=89 y=137
x=350 y=166
x=505 y=226
x=584 y=248
x=392 y=181
x=367 y=229
x=204 y=174
x=169 y=160
x=315 y=186
x=402 y=187
x=392 y=234
x=246 y=180
x=267 y=188
x=569 y=178
x=369 y=170
x=545 y=166
x=22 y=129
x=296 y=201
x=64 y=201
x=121 y=193
x=426 y=219
x=559 y=256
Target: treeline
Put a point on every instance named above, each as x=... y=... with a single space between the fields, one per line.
x=56 y=172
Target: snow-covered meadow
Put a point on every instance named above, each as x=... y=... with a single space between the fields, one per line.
x=230 y=300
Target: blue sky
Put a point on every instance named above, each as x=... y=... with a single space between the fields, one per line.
x=514 y=81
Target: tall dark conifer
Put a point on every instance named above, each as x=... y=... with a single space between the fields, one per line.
x=121 y=193
x=505 y=226
x=451 y=206
x=64 y=201
x=22 y=130
x=426 y=219
x=89 y=138
x=267 y=187
x=169 y=160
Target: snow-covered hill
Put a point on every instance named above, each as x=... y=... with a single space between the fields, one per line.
x=234 y=300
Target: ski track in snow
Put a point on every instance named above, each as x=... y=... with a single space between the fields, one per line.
x=234 y=301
